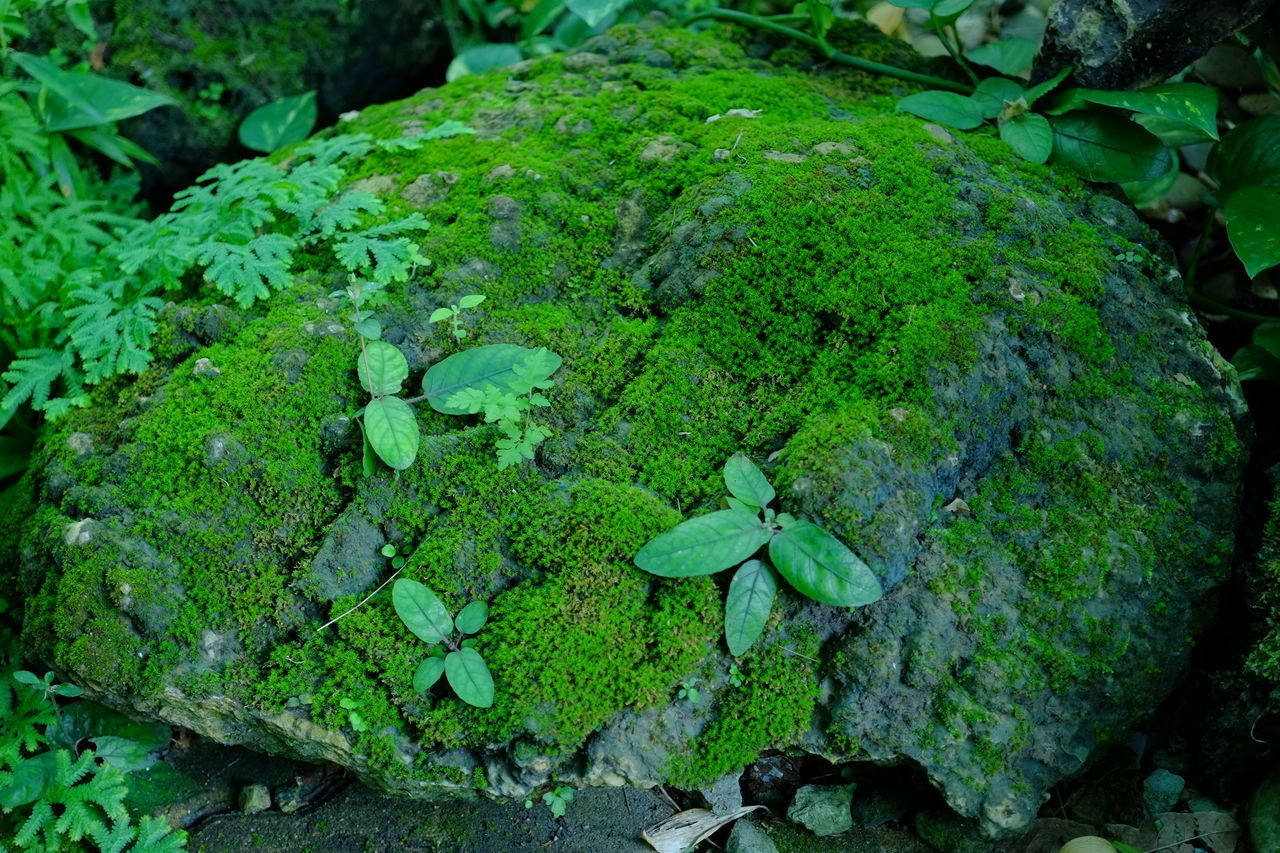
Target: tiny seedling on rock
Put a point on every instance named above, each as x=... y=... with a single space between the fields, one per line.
x=813 y=561
x=557 y=799
x=423 y=613
x=453 y=314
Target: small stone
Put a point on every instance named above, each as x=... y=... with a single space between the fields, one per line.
x=939 y=133
x=721 y=154
x=746 y=837
x=823 y=809
x=255 y=799
x=78 y=532
x=664 y=148
x=506 y=170
x=584 y=61
x=824 y=149
x=80 y=443
x=959 y=506
x=291 y=800
x=724 y=795
x=376 y=184
x=784 y=157
x=204 y=367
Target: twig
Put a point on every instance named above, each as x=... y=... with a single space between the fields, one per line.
x=366 y=598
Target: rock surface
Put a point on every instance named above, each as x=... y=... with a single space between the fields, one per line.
x=945 y=356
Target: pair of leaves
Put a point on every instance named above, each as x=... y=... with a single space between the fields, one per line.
x=79 y=99
x=813 y=561
x=390 y=427
x=1246 y=166
x=423 y=613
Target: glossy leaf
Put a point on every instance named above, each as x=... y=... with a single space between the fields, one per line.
x=440 y=314
x=1248 y=156
x=991 y=94
x=1008 y=56
x=1029 y=135
x=158 y=785
x=1106 y=147
x=392 y=430
x=704 y=545
x=594 y=12
x=1267 y=336
x=469 y=677
x=472 y=617
x=30 y=780
x=428 y=673
x=1193 y=107
x=128 y=755
x=746 y=483
x=282 y=122
x=382 y=368
x=540 y=17
x=944 y=108
x=478 y=59
x=747 y=608
x=421 y=610
x=820 y=566
x=1253 y=225
x=1038 y=91
x=78 y=99
x=473 y=368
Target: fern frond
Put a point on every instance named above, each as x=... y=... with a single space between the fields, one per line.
x=247 y=272
x=39 y=821
x=344 y=213
x=33 y=373
x=329 y=151
x=108 y=337
x=156 y=836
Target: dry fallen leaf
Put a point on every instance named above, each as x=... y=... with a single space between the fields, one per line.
x=684 y=829
x=1214 y=831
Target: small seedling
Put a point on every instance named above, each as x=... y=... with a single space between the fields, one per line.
x=736 y=678
x=453 y=314
x=423 y=613
x=557 y=799
x=47 y=685
x=813 y=561
x=510 y=404
x=689 y=690
x=353 y=716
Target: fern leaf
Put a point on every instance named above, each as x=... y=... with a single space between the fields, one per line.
x=156 y=836
x=110 y=338
x=345 y=212
x=33 y=374
x=383 y=260
x=39 y=821
x=328 y=151
x=247 y=272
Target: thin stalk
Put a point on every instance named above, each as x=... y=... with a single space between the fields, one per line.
x=953 y=49
x=1217 y=307
x=827 y=50
x=363 y=600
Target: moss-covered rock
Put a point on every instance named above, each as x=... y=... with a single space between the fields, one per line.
x=948 y=358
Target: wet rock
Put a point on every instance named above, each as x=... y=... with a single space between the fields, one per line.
x=254 y=799
x=746 y=837
x=823 y=809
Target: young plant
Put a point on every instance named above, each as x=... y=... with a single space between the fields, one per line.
x=813 y=561
x=557 y=799
x=453 y=314
x=510 y=403
x=423 y=613
x=689 y=690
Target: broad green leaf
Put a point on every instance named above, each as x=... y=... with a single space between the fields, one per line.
x=469 y=677
x=594 y=12
x=128 y=755
x=421 y=610
x=941 y=8
x=1008 y=56
x=158 y=785
x=734 y=503
x=392 y=431
x=1248 y=156
x=1267 y=336
x=282 y=122
x=480 y=58
x=30 y=780
x=382 y=368
x=1029 y=135
x=80 y=720
x=1146 y=193
x=746 y=483
x=428 y=673
x=78 y=99
x=944 y=108
x=747 y=608
x=1108 y=148
x=1191 y=106
x=820 y=566
x=369 y=328
x=1038 y=91
x=368 y=457
x=540 y=17
x=471 y=300
x=992 y=93
x=473 y=368
x=1253 y=225
x=80 y=18
x=440 y=314
x=704 y=545
x=472 y=617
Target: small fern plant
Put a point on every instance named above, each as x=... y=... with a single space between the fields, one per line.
x=53 y=799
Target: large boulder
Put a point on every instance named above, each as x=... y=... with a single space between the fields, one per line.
x=976 y=372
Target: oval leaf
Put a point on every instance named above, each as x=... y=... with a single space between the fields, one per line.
x=392 y=431
x=421 y=610
x=1029 y=135
x=1105 y=147
x=428 y=673
x=594 y=12
x=1008 y=56
x=472 y=617
x=480 y=58
x=279 y=123
x=382 y=368
x=704 y=545
x=992 y=93
x=944 y=108
x=746 y=483
x=473 y=368
x=819 y=566
x=1249 y=155
x=469 y=677
x=1253 y=225
x=1187 y=112
x=369 y=328
x=746 y=610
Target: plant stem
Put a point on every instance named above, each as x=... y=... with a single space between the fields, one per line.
x=1217 y=307
x=363 y=600
x=953 y=48
x=828 y=51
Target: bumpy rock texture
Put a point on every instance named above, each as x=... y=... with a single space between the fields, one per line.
x=975 y=372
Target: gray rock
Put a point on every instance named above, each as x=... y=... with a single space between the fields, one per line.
x=254 y=799
x=1162 y=790
x=725 y=795
x=823 y=809
x=746 y=837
